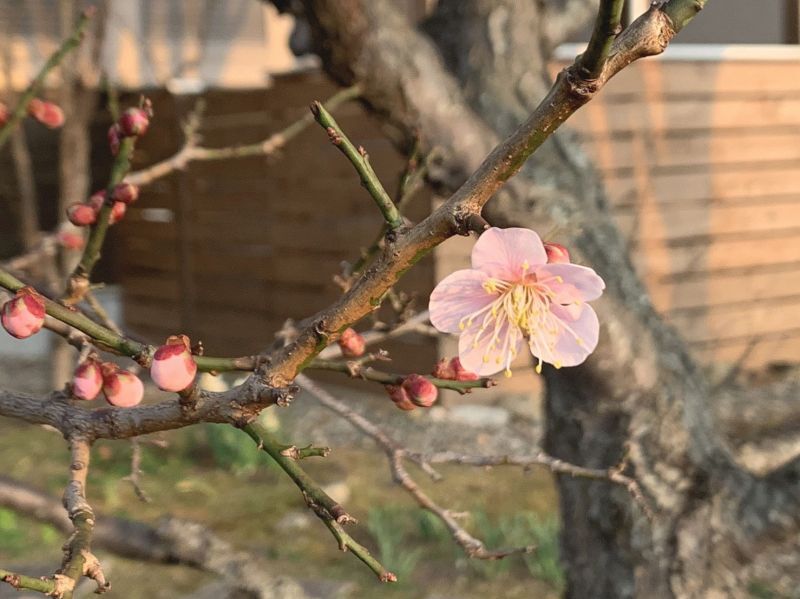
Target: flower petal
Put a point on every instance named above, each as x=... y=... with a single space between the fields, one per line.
x=579 y=331
x=502 y=253
x=456 y=296
x=571 y=282
x=486 y=358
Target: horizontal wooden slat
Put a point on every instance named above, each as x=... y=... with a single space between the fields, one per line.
x=665 y=222
x=720 y=323
x=702 y=186
x=709 y=290
x=723 y=254
x=711 y=147
x=655 y=114
x=760 y=350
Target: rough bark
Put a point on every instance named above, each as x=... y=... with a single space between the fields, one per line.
x=719 y=527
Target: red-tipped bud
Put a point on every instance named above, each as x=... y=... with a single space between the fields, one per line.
x=4 y=114
x=444 y=370
x=556 y=253
x=46 y=113
x=23 y=315
x=81 y=215
x=352 y=344
x=114 y=137
x=420 y=390
x=400 y=398
x=126 y=193
x=121 y=388
x=87 y=380
x=70 y=240
x=461 y=374
x=96 y=200
x=173 y=368
x=133 y=122
x=117 y=212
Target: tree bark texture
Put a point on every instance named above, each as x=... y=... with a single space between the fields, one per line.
x=480 y=68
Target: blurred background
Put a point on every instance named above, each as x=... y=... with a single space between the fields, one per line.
x=699 y=151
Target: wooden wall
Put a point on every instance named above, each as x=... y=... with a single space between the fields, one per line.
x=701 y=161
x=227 y=251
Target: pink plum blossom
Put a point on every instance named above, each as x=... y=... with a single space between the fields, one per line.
x=511 y=297
x=173 y=367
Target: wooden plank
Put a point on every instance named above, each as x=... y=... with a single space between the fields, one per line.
x=665 y=222
x=701 y=186
x=727 y=288
x=656 y=260
x=737 y=321
x=626 y=152
x=656 y=114
x=760 y=351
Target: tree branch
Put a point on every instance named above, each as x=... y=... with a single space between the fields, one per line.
x=607 y=26
x=34 y=87
x=360 y=161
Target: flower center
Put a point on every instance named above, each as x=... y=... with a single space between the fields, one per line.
x=521 y=310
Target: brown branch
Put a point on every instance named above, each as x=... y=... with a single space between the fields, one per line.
x=395 y=453
x=192 y=152
x=236 y=406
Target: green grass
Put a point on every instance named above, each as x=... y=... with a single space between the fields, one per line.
x=208 y=475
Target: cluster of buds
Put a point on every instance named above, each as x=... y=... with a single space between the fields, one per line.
x=121 y=388
x=23 y=315
x=452 y=370
x=48 y=114
x=352 y=343
x=68 y=238
x=84 y=214
x=133 y=123
x=413 y=391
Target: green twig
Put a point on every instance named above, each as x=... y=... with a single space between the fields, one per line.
x=119 y=344
x=69 y=44
x=79 y=279
x=607 y=26
x=358 y=157
x=387 y=378
x=19 y=581
x=325 y=507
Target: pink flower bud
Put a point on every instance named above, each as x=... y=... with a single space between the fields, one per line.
x=420 y=390
x=96 y=200
x=133 y=122
x=47 y=113
x=444 y=370
x=352 y=344
x=70 y=240
x=121 y=388
x=126 y=193
x=117 y=212
x=4 y=114
x=461 y=374
x=114 y=136
x=399 y=396
x=173 y=368
x=81 y=215
x=23 y=315
x=87 y=379
x=556 y=253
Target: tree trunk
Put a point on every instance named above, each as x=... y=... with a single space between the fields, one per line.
x=718 y=528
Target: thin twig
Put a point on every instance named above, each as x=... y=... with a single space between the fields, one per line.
x=191 y=152
x=326 y=508
x=360 y=161
x=34 y=87
x=607 y=26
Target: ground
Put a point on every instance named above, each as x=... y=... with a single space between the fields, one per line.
x=214 y=475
